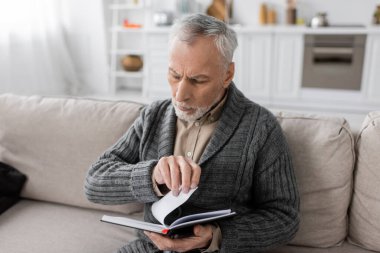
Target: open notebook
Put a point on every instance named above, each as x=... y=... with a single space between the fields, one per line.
x=162 y=208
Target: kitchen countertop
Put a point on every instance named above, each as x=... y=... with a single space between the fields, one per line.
x=291 y=29
x=307 y=30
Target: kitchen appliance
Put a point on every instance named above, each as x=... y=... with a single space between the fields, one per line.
x=333 y=61
x=320 y=20
x=163 y=18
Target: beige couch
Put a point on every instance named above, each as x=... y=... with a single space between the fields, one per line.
x=54 y=140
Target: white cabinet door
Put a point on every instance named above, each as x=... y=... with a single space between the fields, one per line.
x=156 y=84
x=239 y=64
x=253 y=64
x=287 y=63
x=371 y=76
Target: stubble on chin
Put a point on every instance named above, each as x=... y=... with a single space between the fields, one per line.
x=198 y=112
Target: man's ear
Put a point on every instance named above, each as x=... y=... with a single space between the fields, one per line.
x=229 y=75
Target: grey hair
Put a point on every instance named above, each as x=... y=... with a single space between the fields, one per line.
x=198 y=25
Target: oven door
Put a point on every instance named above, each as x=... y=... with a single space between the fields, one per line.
x=333 y=61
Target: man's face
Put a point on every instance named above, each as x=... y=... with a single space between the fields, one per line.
x=197 y=77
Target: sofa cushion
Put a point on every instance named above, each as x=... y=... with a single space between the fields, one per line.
x=36 y=226
x=365 y=208
x=345 y=247
x=55 y=140
x=323 y=156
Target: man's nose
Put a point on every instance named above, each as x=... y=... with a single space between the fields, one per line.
x=183 y=91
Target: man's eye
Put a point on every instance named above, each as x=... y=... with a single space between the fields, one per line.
x=176 y=77
x=196 y=81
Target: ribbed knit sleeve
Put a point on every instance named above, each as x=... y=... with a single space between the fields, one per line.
x=119 y=177
x=272 y=217
x=246 y=167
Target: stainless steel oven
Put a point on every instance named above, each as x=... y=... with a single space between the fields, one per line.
x=333 y=61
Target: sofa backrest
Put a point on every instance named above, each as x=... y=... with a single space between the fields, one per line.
x=323 y=157
x=364 y=226
x=55 y=140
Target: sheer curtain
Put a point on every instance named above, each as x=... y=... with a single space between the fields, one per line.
x=34 y=56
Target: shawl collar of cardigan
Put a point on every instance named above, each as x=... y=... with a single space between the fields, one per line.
x=231 y=115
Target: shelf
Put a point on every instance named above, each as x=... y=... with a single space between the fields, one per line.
x=127 y=6
x=127 y=52
x=126 y=30
x=128 y=74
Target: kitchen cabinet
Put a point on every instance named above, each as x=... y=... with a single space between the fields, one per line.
x=287 y=64
x=371 y=76
x=155 y=84
x=268 y=69
x=253 y=64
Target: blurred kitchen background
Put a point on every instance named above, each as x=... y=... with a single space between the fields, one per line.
x=307 y=55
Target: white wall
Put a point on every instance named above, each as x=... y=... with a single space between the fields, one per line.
x=85 y=28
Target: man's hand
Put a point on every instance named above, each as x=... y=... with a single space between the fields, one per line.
x=176 y=171
x=201 y=239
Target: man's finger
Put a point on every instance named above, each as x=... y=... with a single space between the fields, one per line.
x=179 y=245
x=186 y=173
x=196 y=173
x=165 y=172
x=199 y=230
x=175 y=176
x=162 y=242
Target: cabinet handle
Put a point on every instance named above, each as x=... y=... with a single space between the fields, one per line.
x=333 y=50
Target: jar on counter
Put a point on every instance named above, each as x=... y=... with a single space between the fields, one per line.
x=272 y=16
x=291 y=12
x=376 y=16
x=263 y=14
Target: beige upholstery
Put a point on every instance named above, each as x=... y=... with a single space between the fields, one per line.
x=35 y=226
x=365 y=207
x=54 y=141
x=323 y=155
x=344 y=248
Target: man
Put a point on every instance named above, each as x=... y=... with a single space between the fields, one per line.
x=207 y=136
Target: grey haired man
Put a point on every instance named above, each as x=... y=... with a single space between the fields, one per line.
x=210 y=136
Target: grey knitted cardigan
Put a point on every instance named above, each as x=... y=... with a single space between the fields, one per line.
x=245 y=167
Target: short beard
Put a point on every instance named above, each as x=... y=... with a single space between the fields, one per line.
x=199 y=111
